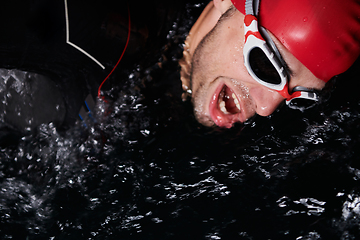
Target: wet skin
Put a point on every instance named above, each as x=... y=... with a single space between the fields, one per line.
x=223 y=92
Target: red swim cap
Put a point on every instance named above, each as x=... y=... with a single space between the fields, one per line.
x=324 y=35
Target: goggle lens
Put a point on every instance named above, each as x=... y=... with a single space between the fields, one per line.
x=262 y=67
x=301 y=103
x=306 y=100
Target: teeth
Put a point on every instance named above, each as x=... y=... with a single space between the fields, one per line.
x=223 y=108
x=236 y=101
x=222 y=101
x=222 y=104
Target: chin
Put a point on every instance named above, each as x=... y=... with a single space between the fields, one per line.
x=201 y=115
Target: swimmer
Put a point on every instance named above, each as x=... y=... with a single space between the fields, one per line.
x=247 y=57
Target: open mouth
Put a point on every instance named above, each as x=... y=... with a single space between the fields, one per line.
x=225 y=108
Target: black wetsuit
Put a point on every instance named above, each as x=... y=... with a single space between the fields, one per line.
x=44 y=75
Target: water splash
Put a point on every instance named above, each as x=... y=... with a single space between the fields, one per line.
x=146 y=169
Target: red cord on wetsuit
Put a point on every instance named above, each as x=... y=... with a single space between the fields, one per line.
x=122 y=54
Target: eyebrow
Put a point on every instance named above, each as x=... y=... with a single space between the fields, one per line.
x=288 y=69
x=270 y=42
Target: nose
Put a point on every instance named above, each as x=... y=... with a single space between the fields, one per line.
x=266 y=100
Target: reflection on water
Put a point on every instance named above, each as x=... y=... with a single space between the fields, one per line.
x=147 y=170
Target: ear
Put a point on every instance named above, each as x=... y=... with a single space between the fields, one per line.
x=222 y=5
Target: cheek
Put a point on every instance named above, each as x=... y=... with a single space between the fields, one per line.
x=231 y=58
x=233 y=46
x=237 y=54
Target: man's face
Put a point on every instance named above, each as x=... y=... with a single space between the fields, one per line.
x=223 y=92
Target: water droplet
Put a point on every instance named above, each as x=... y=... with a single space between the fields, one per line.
x=305 y=19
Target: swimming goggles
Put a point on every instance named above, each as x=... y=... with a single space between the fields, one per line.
x=264 y=63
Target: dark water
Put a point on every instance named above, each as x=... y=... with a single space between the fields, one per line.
x=147 y=170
